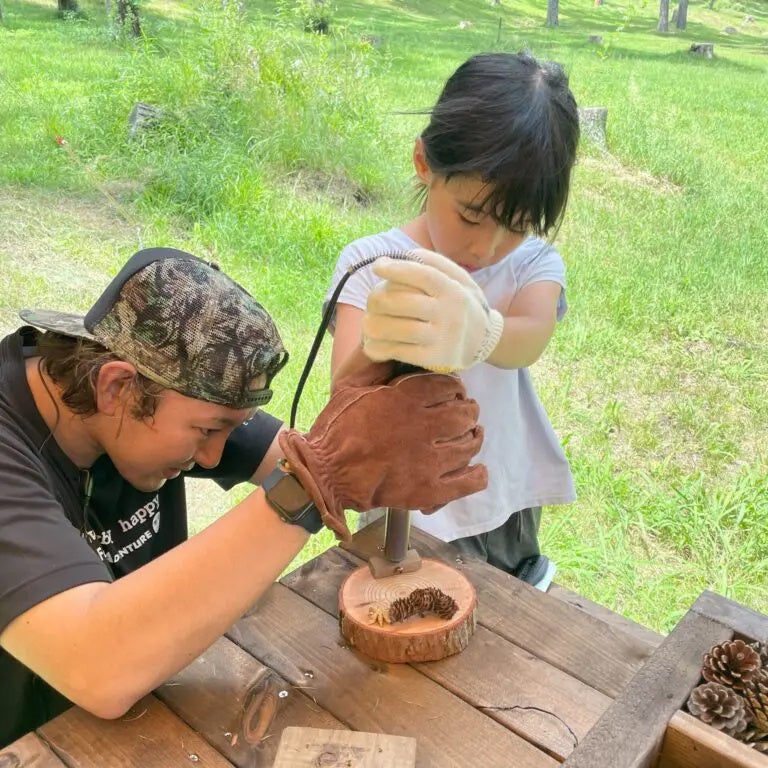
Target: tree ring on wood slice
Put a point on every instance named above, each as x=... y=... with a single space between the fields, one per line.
x=418 y=638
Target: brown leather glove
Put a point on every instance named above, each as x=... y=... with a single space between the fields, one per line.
x=405 y=443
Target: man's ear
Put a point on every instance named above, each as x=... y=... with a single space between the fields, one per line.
x=113 y=387
x=420 y=164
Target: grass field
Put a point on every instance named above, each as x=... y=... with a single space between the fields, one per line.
x=277 y=147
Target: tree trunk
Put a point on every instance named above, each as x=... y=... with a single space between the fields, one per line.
x=128 y=13
x=68 y=6
x=682 y=14
x=663 y=16
x=552 y=13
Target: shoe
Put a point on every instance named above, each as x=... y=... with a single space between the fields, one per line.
x=538 y=571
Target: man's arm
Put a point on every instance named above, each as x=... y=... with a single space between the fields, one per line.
x=103 y=646
x=269 y=462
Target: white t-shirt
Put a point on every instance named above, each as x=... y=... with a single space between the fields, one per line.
x=525 y=461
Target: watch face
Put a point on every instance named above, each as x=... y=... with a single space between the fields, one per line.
x=288 y=494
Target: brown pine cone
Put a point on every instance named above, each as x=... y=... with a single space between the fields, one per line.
x=753 y=738
x=733 y=664
x=400 y=610
x=720 y=707
x=423 y=600
x=756 y=694
x=762 y=651
x=445 y=606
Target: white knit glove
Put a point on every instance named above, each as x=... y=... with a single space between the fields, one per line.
x=429 y=313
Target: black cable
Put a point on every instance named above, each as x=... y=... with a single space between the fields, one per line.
x=328 y=314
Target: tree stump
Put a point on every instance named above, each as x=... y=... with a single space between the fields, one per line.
x=592 y=121
x=364 y=601
x=143 y=116
x=707 y=50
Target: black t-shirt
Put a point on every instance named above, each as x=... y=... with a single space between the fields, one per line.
x=48 y=544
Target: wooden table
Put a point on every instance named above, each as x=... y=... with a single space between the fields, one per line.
x=538 y=673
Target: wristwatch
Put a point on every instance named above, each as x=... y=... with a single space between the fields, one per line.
x=288 y=498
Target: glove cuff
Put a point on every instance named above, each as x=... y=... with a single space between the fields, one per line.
x=307 y=466
x=493 y=331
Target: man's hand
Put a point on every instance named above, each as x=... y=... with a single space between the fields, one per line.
x=429 y=313
x=404 y=443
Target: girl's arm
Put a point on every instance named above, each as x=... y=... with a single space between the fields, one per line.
x=347 y=356
x=528 y=326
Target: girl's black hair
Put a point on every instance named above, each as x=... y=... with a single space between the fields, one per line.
x=513 y=122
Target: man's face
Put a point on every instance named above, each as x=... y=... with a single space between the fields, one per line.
x=183 y=432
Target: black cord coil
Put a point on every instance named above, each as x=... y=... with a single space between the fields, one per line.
x=328 y=314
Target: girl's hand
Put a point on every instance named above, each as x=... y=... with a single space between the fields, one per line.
x=429 y=313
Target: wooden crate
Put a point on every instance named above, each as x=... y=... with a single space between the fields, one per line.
x=645 y=726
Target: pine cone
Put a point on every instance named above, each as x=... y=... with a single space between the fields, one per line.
x=753 y=738
x=422 y=601
x=762 y=651
x=719 y=707
x=400 y=610
x=756 y=694
x=733 y=664
x=445 y=606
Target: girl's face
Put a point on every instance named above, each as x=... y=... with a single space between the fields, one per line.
x=456 y=223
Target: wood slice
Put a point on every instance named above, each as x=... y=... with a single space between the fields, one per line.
x=418 y=638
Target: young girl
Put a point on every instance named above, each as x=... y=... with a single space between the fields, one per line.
x=495 y=165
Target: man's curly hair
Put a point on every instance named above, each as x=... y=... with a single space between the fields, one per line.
x=73 y=364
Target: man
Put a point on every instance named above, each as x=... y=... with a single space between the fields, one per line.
x=102 y=597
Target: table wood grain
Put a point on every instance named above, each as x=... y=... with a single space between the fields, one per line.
x=539 y=673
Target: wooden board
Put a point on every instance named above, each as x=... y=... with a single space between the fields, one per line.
x=599 y=654
x=148 y=736
x=742 y=620
x=234 y=702
x=293 y=637
x=630 y=733
x=364 y=603
x=28 y=752
x=541 y=703
x=689 y=743
x=615 y=620
x=312 y=747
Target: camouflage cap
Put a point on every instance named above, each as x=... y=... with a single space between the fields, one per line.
x=185 y=325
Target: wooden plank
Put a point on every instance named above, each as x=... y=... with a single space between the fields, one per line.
x=742 y=620
x=539 y=702
x=622 y=623
x=234 y=702
x=689 y=743
x=602 y=656
x=29 y=752
x=294 y=637
x=148 y=736
x=630 y=733
x=310 y=747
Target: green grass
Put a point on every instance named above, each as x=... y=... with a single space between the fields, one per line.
x=277 y=147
